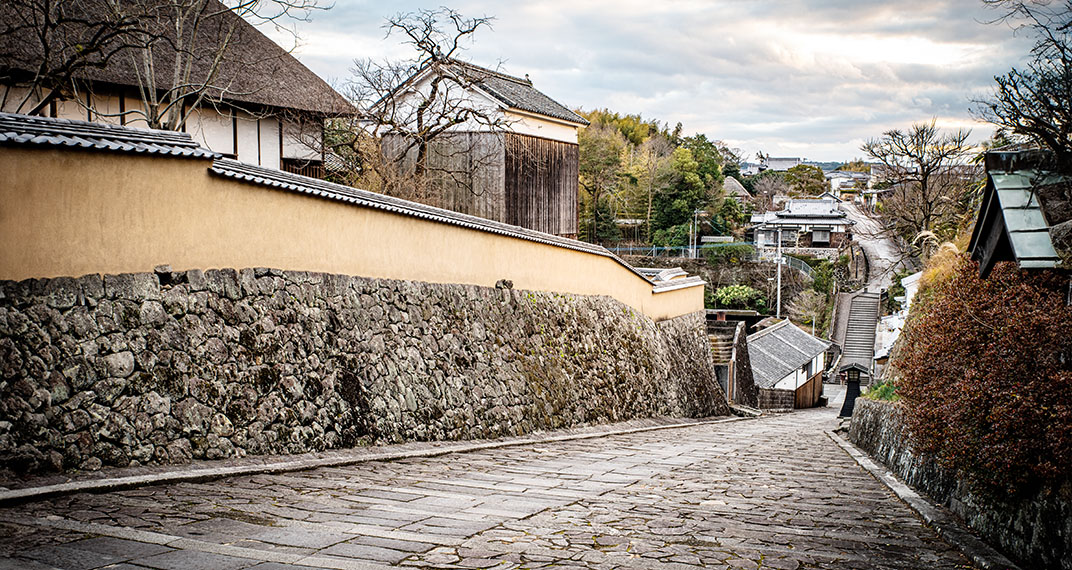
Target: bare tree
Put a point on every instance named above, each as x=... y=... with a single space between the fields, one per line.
x=46 y=44
x=181 y=54
x=928 y=176
x=192 y=53
x=600 y=168
x=768 y=184
x=420 y=129
x=656 y=152
x=1034 y=102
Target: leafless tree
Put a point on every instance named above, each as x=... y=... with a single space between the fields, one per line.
x=46 y=44
x=1034 y=102
x=928 y=177
x=656 y=153
x=181 y=54
x=415 y=134
x=767 y=186
x=195 y=52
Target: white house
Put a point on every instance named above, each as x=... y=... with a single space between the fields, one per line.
x=512 y=155
x=784 y=357
x=781 y=164
x=890 y=327
x=803 y=223
x=261 y=105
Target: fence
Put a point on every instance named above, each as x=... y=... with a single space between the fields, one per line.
x=694 y=253
x=809 y=393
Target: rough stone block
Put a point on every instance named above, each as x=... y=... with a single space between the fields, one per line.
x=132 y=286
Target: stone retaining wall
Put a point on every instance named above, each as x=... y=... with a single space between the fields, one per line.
x=1037 y=530
x=776 y=399
x=166 y=367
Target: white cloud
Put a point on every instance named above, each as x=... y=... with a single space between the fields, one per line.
x=799 y=77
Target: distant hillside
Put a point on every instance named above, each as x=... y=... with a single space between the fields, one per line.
x=826 y=166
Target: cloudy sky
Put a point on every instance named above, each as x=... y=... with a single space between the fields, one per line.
x=806 y=78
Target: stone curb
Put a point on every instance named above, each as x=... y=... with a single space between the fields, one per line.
x=948 y=526
x=30 y=494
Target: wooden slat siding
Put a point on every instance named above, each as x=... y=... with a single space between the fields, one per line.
x=532 y=182
x=477 y=185
x=808 y=394
x=541 y=184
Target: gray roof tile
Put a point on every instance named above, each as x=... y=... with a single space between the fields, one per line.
x=518 y=93
x=43 y=131
x=777 y=351
x=331 y=191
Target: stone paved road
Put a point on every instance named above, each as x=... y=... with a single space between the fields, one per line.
x=774 y=492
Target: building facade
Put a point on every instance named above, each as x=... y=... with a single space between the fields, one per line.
x=515 y=160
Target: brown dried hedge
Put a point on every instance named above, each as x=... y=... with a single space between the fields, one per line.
x=986 y=375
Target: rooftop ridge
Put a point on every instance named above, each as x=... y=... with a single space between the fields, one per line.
x=46 y=131
x=495 y=73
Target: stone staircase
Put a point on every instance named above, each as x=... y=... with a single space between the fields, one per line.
x=859 y=343
x=858 y=348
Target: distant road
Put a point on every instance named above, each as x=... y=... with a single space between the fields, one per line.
x=883 y=252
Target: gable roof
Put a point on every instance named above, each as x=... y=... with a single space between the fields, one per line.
x=511 y=92
x=256 y=71
x=1026 y=213
x=735 y=189
x=780 y=350
x=809 y=211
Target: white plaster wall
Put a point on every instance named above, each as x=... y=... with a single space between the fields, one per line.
x=269 y=140
x=75 y=110
x=294 y=141
x=247 y=143
x=529 y=125
x=211 y=129
x=798 y=378
x=106 y=109
x=11 y=96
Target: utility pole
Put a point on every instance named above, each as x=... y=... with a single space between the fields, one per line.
x=778 y=259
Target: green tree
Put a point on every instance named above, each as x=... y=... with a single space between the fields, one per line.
x=707 y=157
x=604 y=228
x=600 y=168
x=684 y=193
x=737 y=296
x=806 y=180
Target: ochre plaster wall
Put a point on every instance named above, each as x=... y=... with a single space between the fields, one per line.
x=69 y=213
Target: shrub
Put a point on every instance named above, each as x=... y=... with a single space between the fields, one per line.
x=986 y=379
x=733 y=253
x=885 y=390
x=737 y=296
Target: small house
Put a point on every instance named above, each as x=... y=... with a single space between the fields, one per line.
x=518 y=164
x=787 y=366
x=804 y=223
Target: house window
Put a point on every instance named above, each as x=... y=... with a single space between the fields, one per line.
x=806 y=369
x=820 y=236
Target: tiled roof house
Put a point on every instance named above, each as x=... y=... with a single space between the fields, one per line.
x=262 y=106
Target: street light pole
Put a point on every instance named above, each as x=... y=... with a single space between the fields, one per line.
x=778 y=259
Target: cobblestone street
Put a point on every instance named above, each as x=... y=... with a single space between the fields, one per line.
x=773 y=492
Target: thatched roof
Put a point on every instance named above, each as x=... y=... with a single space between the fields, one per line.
x=254 y=72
